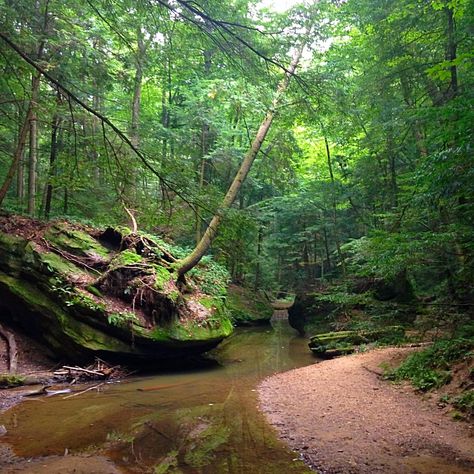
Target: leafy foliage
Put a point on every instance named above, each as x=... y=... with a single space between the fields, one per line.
x=429 y=368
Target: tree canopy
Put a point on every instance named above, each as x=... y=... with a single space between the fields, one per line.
x=112 y=109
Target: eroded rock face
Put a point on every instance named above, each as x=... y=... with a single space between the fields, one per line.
x=248 y=308
x=83 y=291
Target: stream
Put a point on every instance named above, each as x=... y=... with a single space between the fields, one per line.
x=198 y=421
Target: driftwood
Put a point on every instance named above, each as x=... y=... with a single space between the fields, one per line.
x=12 y=349
x=36 y=393
x=85 y=371
x=100 y=370
x=84 y=391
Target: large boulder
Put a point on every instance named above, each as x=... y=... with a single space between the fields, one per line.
x=82 y=291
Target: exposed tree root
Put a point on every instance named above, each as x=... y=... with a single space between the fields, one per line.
x=12 y=349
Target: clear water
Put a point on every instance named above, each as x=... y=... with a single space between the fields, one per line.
x=200 y=421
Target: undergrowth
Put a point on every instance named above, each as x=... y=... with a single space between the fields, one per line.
x=431 y=367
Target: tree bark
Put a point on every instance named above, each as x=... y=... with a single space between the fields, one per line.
x=52 y=164
x=259 y=252
x=20 y=175
x=17 y=155
x=12 y=349
x=334 y=206
x=137 y=89
x=203 y=165
x=195 y=256
x=33 y=158
x=451 y=53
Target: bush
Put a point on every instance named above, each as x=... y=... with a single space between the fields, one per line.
x=429 y=368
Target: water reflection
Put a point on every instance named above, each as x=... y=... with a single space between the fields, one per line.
x=200 y=421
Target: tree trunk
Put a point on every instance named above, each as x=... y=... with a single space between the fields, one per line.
x=195 y=256
x=21 y=140
x=95 y=131
x=130 y=180
x=20 y=179
x=259 y=252
x=20 y=175
x=137 y=90
x=204 y=149
x=451 y=53
x=334 y=207
x=52 y=164
x=33 y=159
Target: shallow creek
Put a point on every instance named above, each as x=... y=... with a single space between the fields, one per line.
x=202 y=421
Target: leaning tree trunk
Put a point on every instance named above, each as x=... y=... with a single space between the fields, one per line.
x=195 y=256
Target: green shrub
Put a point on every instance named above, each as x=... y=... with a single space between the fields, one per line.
x=465 y=402
x=429 y=368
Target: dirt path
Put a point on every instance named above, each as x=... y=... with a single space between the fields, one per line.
x=342 y=418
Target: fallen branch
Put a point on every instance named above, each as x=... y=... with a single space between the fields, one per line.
x=85 y=371
x=84 y=391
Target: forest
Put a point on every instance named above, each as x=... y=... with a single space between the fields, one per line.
x=318 y=154
x=151 y=107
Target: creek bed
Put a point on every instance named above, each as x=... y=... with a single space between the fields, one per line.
x=198 y=421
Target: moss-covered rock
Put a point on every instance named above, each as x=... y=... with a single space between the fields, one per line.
x=247 y=308
x=344 y=342
x=82 y=296
x=66 y=238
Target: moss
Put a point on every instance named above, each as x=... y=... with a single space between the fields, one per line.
x=174 y=296
x=93 y=290
x=162 y=277
x=11 y=380
x=159 y=334
x=53 y=263
x=216 y=328
x=11 y=252
x=12 y=243
x=47 y=304
x=75 y=241
x=246 y=307
x=124 y=230
x=344 y=341
x=169 y=465
x=211 y=302
x=56 y=326
x=124 y=258
x=92 y=339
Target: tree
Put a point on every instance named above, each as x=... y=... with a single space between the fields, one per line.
x=195 y=256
